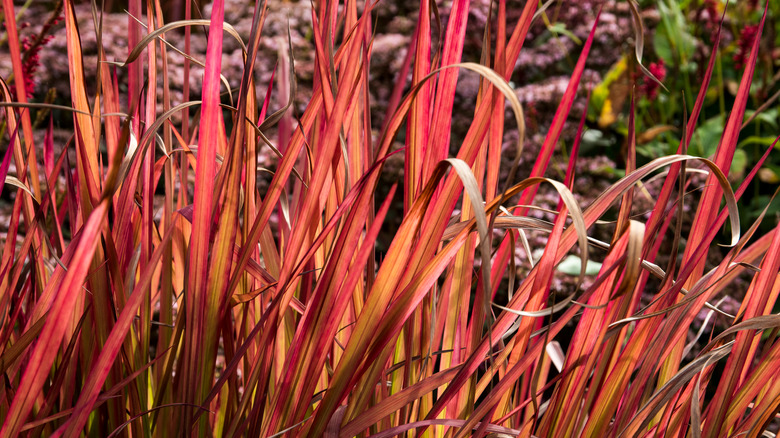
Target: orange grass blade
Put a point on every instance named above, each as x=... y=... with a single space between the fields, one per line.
x=320 y=322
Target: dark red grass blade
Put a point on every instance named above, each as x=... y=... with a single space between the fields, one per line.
x=562 y=113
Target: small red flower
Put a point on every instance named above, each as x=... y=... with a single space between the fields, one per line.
x=649 y=87
x=31 y=46
x=746 y=38
x=712 y=22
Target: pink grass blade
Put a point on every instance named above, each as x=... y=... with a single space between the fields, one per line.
x=370 y=177
x=513 y=374
x=710 y=201
x=517 y=39
x=135 y=68
x=639 y=342
x=575 y=150
x=211 y=131
x=225 y=236
x=655 y=226
x=765 y=388
x=657 y=216
x=24 y=159
x=9 y=248
x=329 y=142
x=758 y=301
x=590 y=215
x=365 y=330
x=46 y=348
x=438 y=149
x=396 y=402
x=418 y=125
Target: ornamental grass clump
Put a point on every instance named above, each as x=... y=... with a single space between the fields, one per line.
x=147 y=288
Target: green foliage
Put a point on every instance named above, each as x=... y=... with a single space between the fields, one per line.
x=683 y=39
x=672 y=41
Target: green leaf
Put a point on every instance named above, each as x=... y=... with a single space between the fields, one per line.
x=561 y=29
x=768 y=116
x=672 y=41
x=754 y=139
x=572 y=264
x=739 y=163
x=707 y=136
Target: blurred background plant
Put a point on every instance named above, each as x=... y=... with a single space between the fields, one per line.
x=680 y=38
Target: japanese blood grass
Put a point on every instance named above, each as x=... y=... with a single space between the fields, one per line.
x=318 y=337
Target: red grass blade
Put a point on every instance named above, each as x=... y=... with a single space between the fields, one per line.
x=46 y=348
x=554 y=134
x=100 y=370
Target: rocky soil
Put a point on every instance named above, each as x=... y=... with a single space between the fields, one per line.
x=540 y=78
